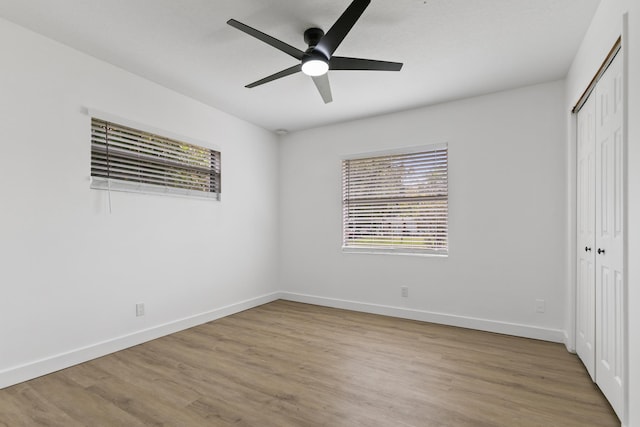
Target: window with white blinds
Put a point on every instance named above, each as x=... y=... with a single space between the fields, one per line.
x=127 y=159
x=396 y=203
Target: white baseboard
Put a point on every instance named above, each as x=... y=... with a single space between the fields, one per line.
x=526 y=331
x=57 y=362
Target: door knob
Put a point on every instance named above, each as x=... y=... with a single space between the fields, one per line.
x=600 y=251
x=587 y=249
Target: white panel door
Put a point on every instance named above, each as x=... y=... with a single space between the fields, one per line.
x=609 y=242
x=586 y=283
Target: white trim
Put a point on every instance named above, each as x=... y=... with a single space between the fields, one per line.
x=571 y=221
x=506 y=328
x=394 y=251
x=57 y=362
x=396 y=151
x=99 y=183
x=31 y=370
x=626 y=410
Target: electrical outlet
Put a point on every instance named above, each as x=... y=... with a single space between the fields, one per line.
x=404 y=291
x=140 y=309
x=540 y=306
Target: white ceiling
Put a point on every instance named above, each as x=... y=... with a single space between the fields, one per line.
x=451 y=49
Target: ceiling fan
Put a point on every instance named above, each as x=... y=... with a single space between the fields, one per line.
x=318 y=59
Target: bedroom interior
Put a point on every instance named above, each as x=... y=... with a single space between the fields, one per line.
x=96 y=279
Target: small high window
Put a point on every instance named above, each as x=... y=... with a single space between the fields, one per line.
x=127 y=159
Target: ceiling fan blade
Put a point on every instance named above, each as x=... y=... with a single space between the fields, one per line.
x=332 y=39
x=271 y=41
x=276 y=76
x=322 y=83
x=344 y=63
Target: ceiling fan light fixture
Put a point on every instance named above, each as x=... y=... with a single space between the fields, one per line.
x=315 y=67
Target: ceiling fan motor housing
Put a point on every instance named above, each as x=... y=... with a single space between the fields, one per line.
x=312 y=36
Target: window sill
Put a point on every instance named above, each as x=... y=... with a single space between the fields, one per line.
x=99 y=183
x=388 y=251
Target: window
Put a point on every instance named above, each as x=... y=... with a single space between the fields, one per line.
x=126 y=159
x=396 y=203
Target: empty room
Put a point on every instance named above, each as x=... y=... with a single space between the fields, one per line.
x=337 y=213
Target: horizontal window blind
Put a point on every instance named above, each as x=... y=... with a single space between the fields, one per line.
x=397 y=203
x=127 y=159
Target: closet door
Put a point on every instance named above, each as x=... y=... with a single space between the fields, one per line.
x=609 y=235
x=586 y=282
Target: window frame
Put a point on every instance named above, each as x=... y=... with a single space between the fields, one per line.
x=111 y=184
x=395 y=249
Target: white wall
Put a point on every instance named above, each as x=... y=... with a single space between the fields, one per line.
x=606 y=27
x=507 y=193
x=70 y=272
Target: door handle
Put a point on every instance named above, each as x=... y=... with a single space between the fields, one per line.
x=600 y=251
x=587 y=249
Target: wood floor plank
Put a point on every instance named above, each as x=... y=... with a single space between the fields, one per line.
x=73 y=400
x=22 y=406
x=290 y=364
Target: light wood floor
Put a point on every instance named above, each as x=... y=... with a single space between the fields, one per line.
x=289 y=364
